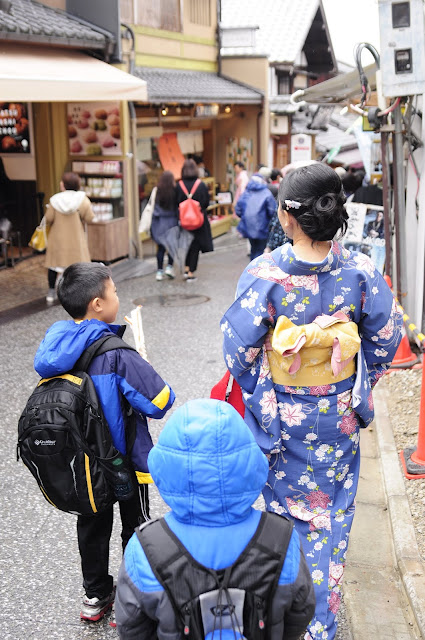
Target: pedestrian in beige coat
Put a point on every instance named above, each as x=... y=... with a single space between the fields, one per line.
x=66 y=215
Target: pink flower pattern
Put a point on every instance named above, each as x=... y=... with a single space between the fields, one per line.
x=318 y=499
x=334 y=602
x=349 y=423
x=292 y=414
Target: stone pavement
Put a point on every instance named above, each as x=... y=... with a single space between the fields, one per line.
x=41 y=583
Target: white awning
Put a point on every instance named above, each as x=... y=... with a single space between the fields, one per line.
x=338 y=89
x=47 y=74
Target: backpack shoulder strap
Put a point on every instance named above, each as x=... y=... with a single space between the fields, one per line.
x=107 y=342
x=195 y=186
x=183 y=188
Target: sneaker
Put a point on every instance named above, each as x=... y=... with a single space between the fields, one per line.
x=160 y=274
x=186 y=275
x=191 y=278
x=169 y=271
x=51 y=295
x=94 y=609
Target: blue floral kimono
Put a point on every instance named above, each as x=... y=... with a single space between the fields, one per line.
x=307 y=342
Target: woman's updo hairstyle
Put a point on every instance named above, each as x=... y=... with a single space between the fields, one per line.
x=316 y=200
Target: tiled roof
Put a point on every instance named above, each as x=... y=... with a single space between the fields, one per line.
x=283 y=25
x=33 y=22
x=175 y=85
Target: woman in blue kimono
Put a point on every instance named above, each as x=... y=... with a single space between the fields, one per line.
x=312 y=329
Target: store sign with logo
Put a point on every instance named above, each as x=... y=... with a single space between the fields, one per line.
x=14 y=128
x=206 y=110
x=301 y=146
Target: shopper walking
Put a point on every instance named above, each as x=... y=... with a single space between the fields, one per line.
x=241 y=180
x=312 y=329
x=202 y=238
x=66 y=213
x=165 y=216
x=256 y=207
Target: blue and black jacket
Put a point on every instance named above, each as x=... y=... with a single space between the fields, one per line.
x=209 y=470
x=121 y=371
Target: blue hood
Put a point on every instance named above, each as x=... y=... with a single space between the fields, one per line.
x=256 y=183
x=64 y=343
x=207 y=466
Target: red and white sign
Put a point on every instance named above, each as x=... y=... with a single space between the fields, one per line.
x=301 y=145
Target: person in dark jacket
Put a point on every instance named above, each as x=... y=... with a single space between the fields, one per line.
x=87 y=292
x=209 y=470
x=164 y=217
x=202 y=238
x=256 y=207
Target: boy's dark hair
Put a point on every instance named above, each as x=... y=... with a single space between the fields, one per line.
x=239 y=164
x=318 y=190
x=71 y=181
x=80 y=283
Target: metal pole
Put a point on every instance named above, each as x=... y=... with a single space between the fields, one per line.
x=399 y=204
x=386 y=197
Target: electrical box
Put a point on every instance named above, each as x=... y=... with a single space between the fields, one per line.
x=402 y=29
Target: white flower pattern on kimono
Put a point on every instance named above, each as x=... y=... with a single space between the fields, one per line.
x=269 y=403
x=292 y=414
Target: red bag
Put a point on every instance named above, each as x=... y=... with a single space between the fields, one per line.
x=190 y=212
x=233 y=397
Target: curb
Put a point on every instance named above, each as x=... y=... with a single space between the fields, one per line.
x=409 y=562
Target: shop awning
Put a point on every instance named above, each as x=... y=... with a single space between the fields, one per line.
x=45 y=74
x=337 y=89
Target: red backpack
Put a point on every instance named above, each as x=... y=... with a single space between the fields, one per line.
x=190 y=212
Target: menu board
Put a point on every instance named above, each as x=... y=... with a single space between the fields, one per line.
x=14 y=128
x=94 y=128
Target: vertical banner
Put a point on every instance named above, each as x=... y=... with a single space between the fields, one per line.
x=170 y=154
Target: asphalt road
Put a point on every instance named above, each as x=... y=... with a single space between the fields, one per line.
x=41 y=581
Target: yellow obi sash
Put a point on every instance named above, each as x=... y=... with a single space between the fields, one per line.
x=314 y=354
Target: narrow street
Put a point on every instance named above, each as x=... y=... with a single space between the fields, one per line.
x=39 y=561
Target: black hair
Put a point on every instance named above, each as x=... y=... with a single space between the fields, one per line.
x=166 y=193
x=352 y=181
x=275 y=174
x=318 y=189
x=239 y=164
x=79 y=284
x=71 y=181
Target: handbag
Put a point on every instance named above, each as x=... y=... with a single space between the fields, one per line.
x=146 y=217
x=39 y=237
x=228 y=390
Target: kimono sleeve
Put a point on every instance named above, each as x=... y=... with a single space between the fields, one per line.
x=380 y=327
x=244 y=327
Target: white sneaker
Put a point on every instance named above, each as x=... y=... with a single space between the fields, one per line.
x=160 y=274
x=169 y=271
x=93 y=609
x=51 y=295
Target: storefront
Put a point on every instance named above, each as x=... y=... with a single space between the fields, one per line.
x=62 y=110
x=199 y=115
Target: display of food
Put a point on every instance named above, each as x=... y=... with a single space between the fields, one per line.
x=94 y=129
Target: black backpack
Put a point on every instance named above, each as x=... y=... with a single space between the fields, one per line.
x=205 y=601
x=64 y=439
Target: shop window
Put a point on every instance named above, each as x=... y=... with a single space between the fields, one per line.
x=159 y=14
x=200 y=12
x=283 y=84
x=127 y=11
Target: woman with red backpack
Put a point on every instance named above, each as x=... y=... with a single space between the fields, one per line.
x=202 y=238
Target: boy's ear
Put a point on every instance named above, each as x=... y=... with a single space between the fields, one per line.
x=95 y=305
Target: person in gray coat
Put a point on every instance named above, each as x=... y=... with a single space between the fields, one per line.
x=209 y=470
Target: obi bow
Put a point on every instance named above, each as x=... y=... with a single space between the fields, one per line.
x=326 y=345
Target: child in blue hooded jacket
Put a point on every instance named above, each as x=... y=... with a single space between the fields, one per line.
x=87 y=292
x=209 y=470
x=256 y=207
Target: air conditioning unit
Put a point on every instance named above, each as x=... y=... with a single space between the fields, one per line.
x=279 y=125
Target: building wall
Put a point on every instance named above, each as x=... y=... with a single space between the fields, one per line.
x=255 y=73
x=167 y=49
x=55 y=4
x=243 y=124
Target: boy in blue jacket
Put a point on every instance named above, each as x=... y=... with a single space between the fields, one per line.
x=209 y=470
x=87 y=292
x=256 y=207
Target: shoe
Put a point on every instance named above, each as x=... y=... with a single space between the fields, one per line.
x=160 y=274
x=94 y=609
x=191 y=278
x=51 y=295
x=169 y=271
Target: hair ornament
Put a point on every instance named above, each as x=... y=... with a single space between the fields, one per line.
x=292 y=204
